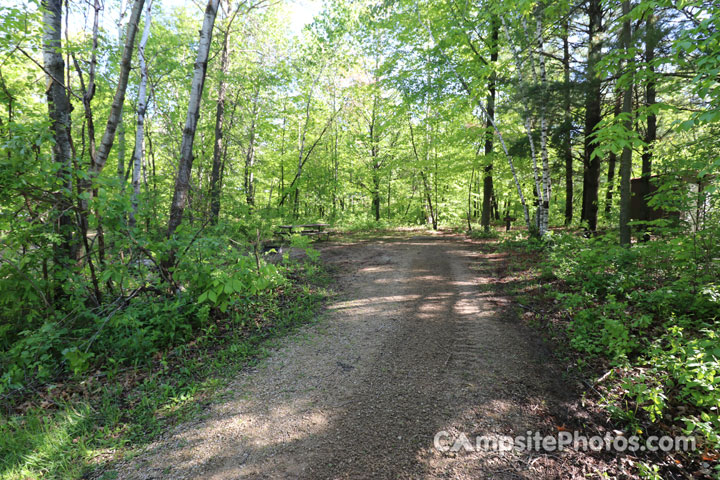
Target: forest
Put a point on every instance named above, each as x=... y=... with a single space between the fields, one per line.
x=150 y=151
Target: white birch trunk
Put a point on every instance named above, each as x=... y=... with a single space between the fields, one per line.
x=545 y=205
x=119 y=99
x=141 y=109
x=59 y=113
x=182 y=180
x=528 y=126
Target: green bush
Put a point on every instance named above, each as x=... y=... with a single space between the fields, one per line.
x=653 y=312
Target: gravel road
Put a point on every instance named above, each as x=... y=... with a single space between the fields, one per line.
x=417 y=341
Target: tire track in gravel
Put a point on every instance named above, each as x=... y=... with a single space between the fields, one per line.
x=416 y=343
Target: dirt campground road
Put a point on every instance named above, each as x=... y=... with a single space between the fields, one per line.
x=417 y=342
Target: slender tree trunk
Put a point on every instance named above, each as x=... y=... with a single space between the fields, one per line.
x=376 y=196
x=650 y=100
x=333 y=156
x=182 y=180
x=84 y=185
x=428 y=197
x=489 y=135
x=250 y=156
x=119 y=99
x=593 y=112
x=567 y=134
x=122 y=177
x=539 y=191
x=389 y=191
x=141 y=109
x=374 y=160
x=546 y=184
x=626 y=158
x=612 y=162
x=218 y=146
x=59 y=113
x=612 y=165
x=469 y=197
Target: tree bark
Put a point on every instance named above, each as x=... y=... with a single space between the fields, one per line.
x=182 y=180
x=626 y=158
x=546 y=183
x=249 y=181
x=141 y=109
x=219 y=146
x=122 y=177
x=489 y=135
x=119 y=99
x=59 y=113
x=650 y=100
x=567 y=134
x=593 y=112
x=612 y=162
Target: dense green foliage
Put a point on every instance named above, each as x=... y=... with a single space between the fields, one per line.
x=117 y=247
x=645 y=320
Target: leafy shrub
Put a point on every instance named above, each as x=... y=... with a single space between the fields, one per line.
x=653 y=312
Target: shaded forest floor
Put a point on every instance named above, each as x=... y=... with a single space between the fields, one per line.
x=422 y=337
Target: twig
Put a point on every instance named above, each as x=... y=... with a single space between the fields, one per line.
x=123 y=302
x=48 y=73
x=530 y=308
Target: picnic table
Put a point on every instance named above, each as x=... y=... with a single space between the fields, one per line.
x=306 y=229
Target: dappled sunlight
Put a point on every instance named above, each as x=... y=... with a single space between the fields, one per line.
x=413 y=346
x=364 y=302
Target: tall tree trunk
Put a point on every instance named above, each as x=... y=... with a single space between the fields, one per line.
x=469 y=197
x=119 y=99
x=567 y=134
x=376 y=195
x=650 y=100
x=122 y=177
x=626 y=158
x=428 y=198
x=375 y=163
x=141 y=109
x=249 y=181
x=546 y=183
x=489 y=135
x=527 y=120
x=282 y=156
x=593 y=112
x=219 y=146
x=59 y=113
x=182 y=181
x=612 y=161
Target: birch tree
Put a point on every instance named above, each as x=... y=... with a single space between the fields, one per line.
x=182 y=179
x=59 y=112
x=541 y=189
x=141 y=110
x=114 y=119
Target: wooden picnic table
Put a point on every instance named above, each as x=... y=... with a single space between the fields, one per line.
x=306 y=229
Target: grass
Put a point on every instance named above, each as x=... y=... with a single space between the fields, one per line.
x=109 y=415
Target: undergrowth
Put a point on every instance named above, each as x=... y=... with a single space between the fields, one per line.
x=644 y=322
x=84 y=386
